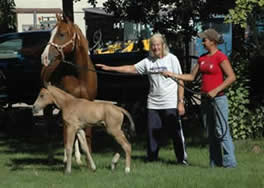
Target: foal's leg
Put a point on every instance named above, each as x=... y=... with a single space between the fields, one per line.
x=115 y=160
x=70 y=133
x=77 y=152
x=82 y=139
x=121 y=139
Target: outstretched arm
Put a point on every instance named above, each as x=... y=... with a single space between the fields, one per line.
x=122 y=69
x=185 y=77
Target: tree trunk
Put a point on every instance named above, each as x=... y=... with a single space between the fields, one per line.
x=67 y=6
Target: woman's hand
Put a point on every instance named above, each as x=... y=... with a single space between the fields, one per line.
x=167 y=74
x=103 y=67
x=181 y=109
x=213 y=93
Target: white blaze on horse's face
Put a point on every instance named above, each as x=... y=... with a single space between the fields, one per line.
x=47 y=56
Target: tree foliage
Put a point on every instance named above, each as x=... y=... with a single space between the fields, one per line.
x=245 y=96
x=7 y=16
x=242 y=11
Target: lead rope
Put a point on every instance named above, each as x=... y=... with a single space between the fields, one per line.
x=217 y=110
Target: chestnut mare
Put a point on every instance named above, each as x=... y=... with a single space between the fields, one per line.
x=68 y=44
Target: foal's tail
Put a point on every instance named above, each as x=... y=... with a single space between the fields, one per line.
x=132 y=124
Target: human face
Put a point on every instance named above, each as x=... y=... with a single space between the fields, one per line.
x=157 y=48
x=207 y=43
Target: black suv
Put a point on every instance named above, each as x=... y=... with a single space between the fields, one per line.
x=20 y=65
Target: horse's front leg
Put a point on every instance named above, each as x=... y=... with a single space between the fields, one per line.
x=82 y=139
x=77 y=152
x=76 y=149
x=70 y=133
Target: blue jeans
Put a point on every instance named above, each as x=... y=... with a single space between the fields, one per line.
x=215 y=118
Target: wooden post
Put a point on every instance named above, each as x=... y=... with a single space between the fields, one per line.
x=67 y=6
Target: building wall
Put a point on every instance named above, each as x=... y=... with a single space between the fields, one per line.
x=29 y=18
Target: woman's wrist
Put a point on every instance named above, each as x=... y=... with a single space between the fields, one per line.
x=181 y=100
x=175 y=76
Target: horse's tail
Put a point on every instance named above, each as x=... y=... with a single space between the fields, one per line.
x=132 y=124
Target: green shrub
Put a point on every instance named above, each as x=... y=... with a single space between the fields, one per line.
x=245 y=121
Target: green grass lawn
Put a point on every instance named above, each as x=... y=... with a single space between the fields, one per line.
x=24 y=164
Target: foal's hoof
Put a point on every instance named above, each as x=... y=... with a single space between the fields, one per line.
x=67 y=172
x=127 y=170
x=93 y=167
x=79 y=162
x=114 y=161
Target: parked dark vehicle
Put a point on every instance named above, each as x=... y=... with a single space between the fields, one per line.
x=20 y=67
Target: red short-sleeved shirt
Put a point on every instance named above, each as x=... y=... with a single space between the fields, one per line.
x=212 y=75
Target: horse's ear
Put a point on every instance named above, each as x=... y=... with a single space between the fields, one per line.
x=58 y=17
x=46 y=84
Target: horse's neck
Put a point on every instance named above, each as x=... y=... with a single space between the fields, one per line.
x=82 y=57
x=61 y=97
x=82 y=54
x=46 y=71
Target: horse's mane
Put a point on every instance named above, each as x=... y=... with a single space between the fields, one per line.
x=59 y=95
x=82 y=41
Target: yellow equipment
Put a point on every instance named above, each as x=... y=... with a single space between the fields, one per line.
x=146 y=45
x=129 y=47
x=117 y=47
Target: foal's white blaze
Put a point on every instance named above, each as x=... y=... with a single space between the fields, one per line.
x=45 y=55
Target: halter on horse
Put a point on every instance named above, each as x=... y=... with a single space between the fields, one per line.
x=67 y=43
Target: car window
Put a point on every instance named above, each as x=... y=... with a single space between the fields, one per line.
x=10 y=48
x=34 y=45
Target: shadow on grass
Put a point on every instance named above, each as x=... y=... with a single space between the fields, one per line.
x=144 y=159
x=16 y=164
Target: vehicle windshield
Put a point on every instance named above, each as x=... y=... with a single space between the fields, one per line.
x=10 y=48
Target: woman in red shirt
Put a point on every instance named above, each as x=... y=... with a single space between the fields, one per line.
x=217 y=75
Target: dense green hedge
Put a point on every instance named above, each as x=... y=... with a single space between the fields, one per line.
x=245 y=120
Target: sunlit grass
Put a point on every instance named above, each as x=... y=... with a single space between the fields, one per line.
x=24 y=164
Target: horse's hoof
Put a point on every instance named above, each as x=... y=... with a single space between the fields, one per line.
x=93 y=168
x=114 y=161
x=127 y=170
x=67 y=172
x=79 y=162
x=113 y=166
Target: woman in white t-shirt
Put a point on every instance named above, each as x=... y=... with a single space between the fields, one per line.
x=165 y=99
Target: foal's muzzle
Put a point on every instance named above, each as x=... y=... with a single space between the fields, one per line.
x=35 y=110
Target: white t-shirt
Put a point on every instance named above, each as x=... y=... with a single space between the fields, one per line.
x=163 y=92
